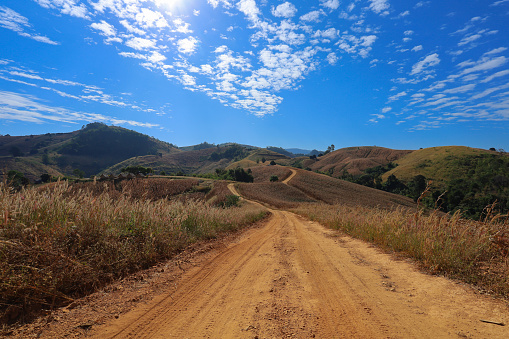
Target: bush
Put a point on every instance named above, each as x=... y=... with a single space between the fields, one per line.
x=231 y=201
x=272 y=163
x=274 y=178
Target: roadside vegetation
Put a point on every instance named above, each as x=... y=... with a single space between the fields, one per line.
x=473 y=251
x=63 y=241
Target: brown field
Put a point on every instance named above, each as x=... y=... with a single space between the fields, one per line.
x=335 y=191
x=263 y=173
x=149 y=189
x=275 y=194
x=355 y=159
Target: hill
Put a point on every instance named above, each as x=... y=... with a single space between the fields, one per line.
x=91 y=149
x=440 y=164
x=460 y=178
x=351 y=160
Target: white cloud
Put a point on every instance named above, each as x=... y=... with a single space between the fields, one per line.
x=409 y=32
x=330 y=4
x=417 y=48
x=313 y=16
x=105 y=28
x=187 y=45
x=70 y=7
x=196 y=12
x=182 y=26
x=489 y=91
x=386 y=110
x=429 y=61
x=285 y=10
x=131 y=29
x=496 y=50
x=14 y=21
x=332 y=58
x=147 y=18
x=28 y=108
x=249 y=8
x=140 y=43
x=496 y=75
x=469 y=38
x=397 y=96
x=379 y=6
x=461 y=89
x=485 y=64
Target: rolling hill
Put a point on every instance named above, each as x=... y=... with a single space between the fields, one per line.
x=91 y=149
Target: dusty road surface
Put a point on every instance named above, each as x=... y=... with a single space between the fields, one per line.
x=293 y=278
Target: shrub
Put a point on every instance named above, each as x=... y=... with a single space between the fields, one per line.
x=274 y=178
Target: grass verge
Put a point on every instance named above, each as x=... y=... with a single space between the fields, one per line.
x=59 y=244
x=473 y=251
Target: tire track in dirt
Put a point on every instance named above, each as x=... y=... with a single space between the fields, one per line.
x=294 y=278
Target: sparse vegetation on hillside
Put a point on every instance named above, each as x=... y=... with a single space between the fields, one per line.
x=59 y=244
x=237 y=174
x=280 y=151
x=331 y=191
x=275 y=194
x=264 y=173
x=234 y=152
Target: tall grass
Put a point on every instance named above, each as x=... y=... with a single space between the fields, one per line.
x=59 y=244
x=473 y=251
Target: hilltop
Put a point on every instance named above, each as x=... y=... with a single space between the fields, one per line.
x=91 y=149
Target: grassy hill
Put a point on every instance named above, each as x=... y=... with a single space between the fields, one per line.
x=91 y=149
x=437 y=163
x=355 y=160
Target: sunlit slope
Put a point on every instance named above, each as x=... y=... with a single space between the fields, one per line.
x=353 y=160
x=438 y=163
x=331 y=190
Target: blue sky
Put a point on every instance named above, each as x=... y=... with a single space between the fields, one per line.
x=394 y=73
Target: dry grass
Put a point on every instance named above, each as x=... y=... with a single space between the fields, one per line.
x=473 y=251
x=275 y=194
x=263 y=173
x=334 y=191
x=218 y=196
x=151 y=189
x=59 y=244
x=355 y=160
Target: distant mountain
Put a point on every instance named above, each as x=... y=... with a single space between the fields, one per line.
x=91 y=149
x=280 y=151
x=298 y=151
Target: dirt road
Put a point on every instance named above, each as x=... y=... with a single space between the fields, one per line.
x=294 y=278
x=287 y=180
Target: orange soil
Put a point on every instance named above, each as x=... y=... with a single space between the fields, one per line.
x=294 y=278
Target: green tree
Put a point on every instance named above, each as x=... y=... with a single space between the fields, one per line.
x=274 y=178
x=15 y=151
x=79 y=173
x=17 y=179
x=136 y=170
x=272 y=163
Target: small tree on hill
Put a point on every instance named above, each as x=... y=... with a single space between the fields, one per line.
x=274 y=178
x=15 y=151
x=272 y=163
